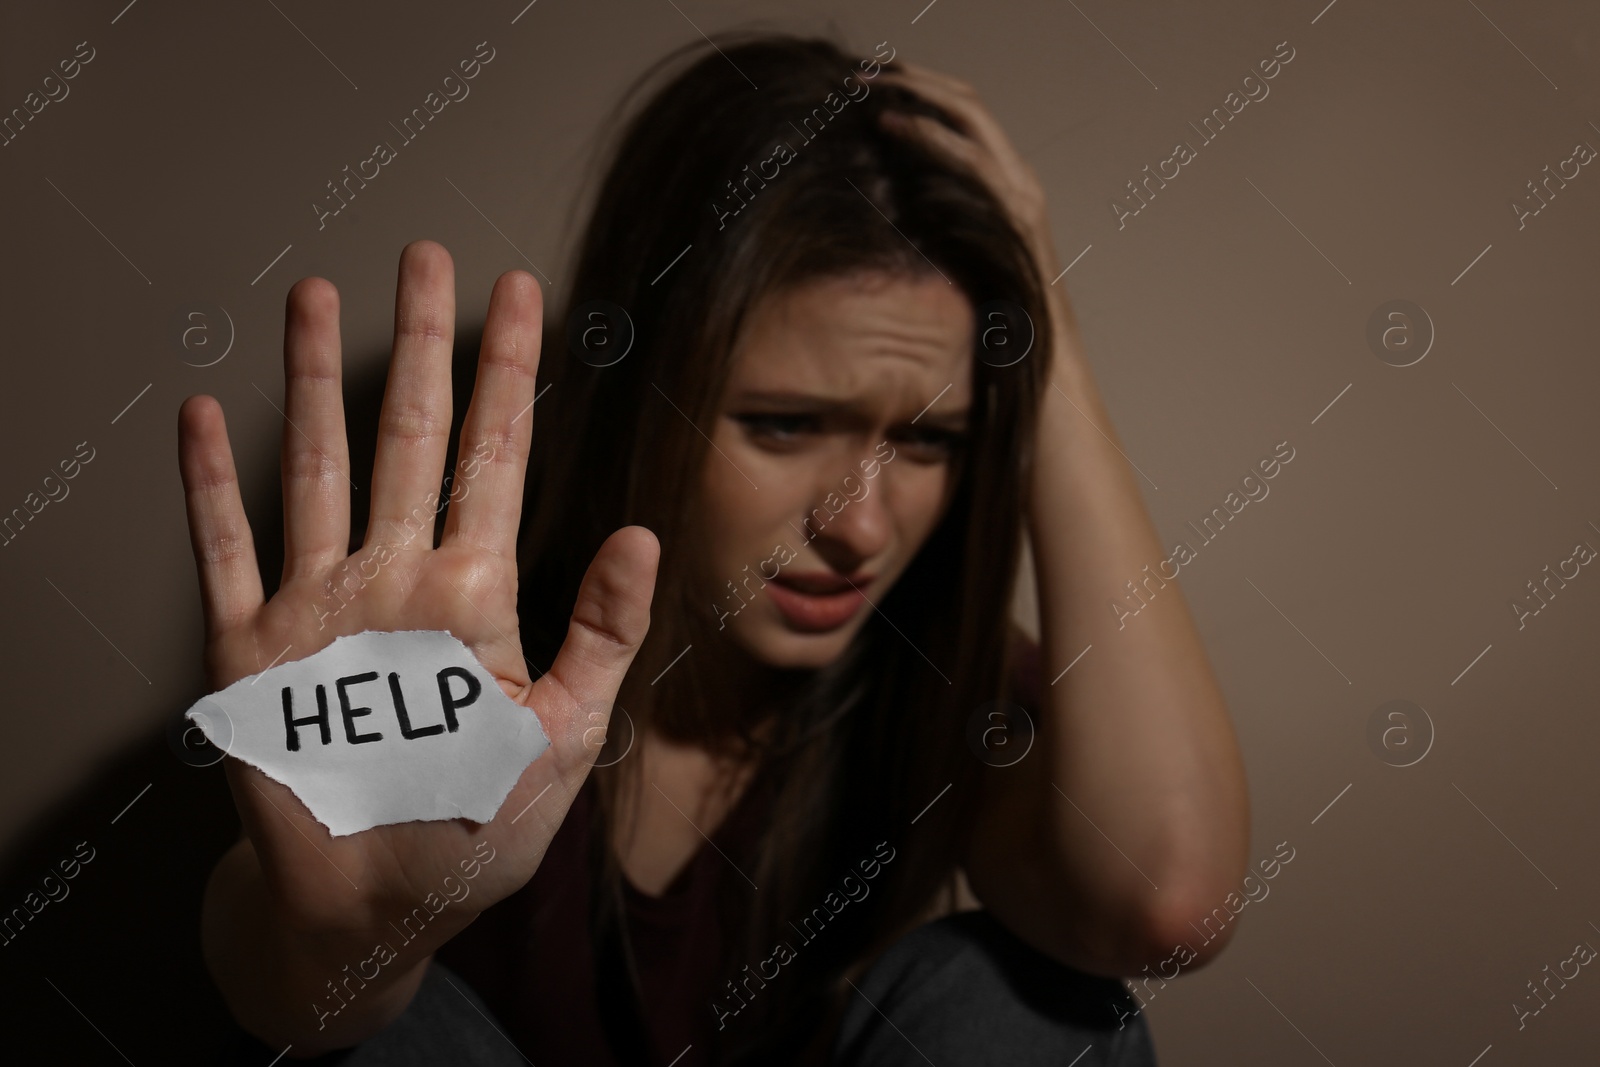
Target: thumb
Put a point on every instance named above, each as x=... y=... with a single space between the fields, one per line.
x=609 y=623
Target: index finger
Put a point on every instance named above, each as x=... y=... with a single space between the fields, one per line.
x=496 y=436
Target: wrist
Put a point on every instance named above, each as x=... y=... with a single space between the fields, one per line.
x=295 y=982
x=346 y=982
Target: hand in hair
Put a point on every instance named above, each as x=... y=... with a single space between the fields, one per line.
x=980 y=146
x=290 y=906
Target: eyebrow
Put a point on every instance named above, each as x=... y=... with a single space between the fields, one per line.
x=948 y=419
x=944 y=420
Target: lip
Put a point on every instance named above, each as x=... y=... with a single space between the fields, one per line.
x=818 y=602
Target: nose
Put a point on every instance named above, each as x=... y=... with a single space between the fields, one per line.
x=856 y=527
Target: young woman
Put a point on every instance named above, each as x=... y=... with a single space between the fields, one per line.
x=811 y=796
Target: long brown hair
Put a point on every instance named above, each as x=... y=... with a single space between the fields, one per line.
x=865 y=743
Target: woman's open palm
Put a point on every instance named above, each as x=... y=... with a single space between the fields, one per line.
x=468 y=585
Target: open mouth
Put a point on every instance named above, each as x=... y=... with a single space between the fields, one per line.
x=817 y=603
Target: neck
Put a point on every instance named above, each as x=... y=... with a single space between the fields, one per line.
x=736 y=692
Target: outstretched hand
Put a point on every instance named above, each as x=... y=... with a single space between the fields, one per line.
x=467 y=586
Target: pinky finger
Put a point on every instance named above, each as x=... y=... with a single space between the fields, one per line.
x=224 y=551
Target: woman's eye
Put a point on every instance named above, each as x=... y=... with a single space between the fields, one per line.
x=777 y=427
x=931 y=442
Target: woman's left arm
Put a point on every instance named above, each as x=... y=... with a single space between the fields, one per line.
x=1135 y=822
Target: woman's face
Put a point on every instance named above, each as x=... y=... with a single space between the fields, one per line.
x=836 y=450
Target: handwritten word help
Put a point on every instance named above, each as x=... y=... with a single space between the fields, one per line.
x=379 y=728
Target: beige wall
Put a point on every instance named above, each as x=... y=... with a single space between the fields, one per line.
x=1222 y=319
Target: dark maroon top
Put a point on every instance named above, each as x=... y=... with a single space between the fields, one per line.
x=531 y=956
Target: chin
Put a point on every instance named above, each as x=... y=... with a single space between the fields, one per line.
x=775 y=645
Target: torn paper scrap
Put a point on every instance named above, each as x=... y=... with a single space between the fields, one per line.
x=378 y=728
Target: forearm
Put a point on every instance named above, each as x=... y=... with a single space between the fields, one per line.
x=1138 y=735
x=288 y=986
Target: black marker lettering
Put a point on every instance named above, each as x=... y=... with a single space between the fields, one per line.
x=405 y=720
x=474 y=687
x=291 y=724
x=350 y=714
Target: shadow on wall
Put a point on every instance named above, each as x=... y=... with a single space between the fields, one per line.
x=111 y=942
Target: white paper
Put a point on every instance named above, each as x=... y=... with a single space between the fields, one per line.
x=390 y=773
